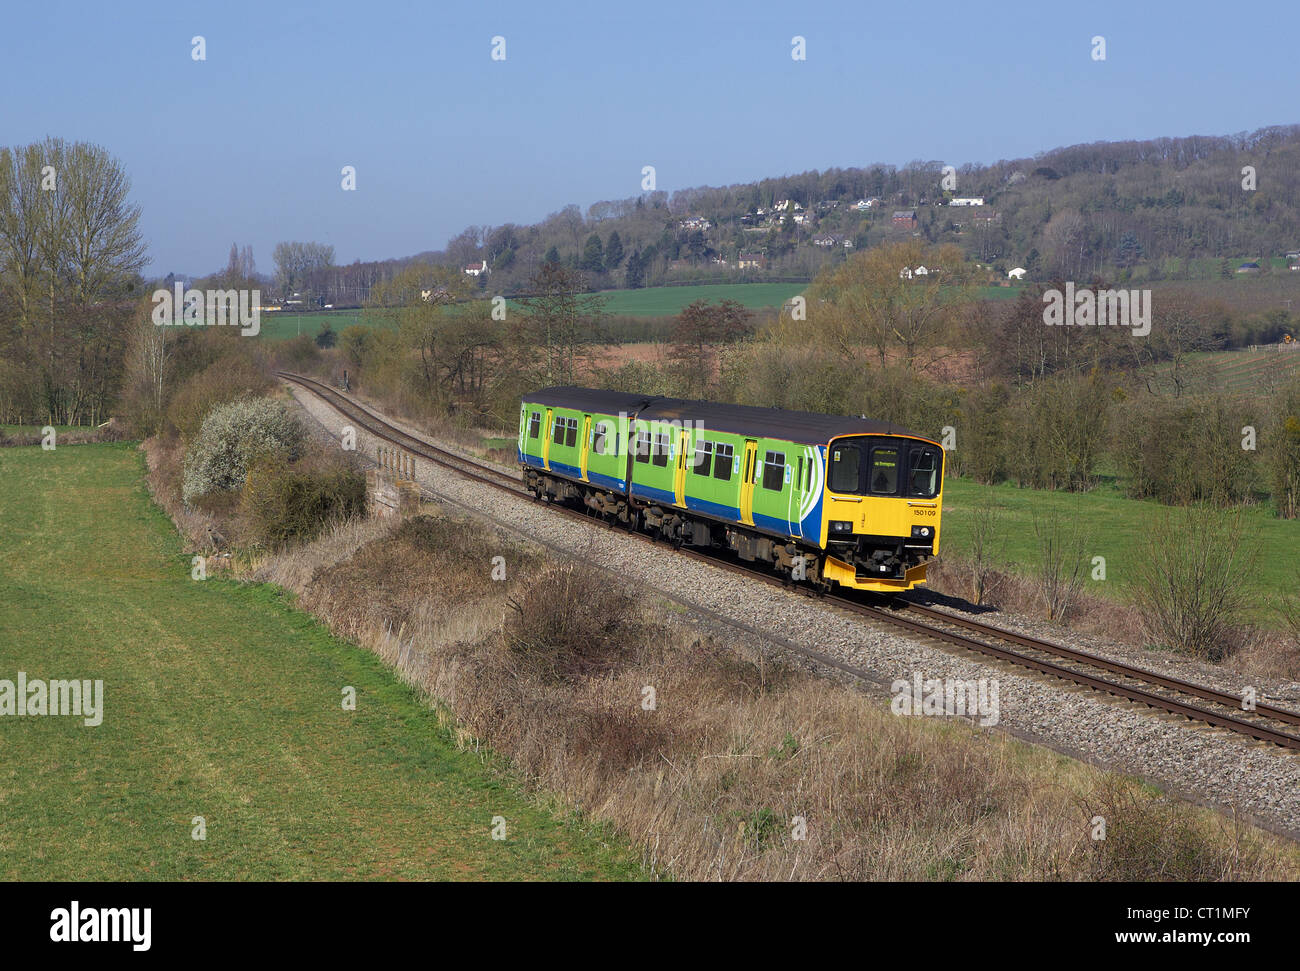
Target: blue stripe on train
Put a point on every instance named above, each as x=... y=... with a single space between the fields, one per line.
x=713 y=508
x=810 y=528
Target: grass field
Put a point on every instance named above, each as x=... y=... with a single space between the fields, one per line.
x=1237 y=373
x=1115 y=525
x=667 y=301
x=280 y=326
x=221 y=700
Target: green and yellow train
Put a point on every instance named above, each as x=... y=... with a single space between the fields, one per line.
x=826 y=499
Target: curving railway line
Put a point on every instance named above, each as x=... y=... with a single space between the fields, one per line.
x=1196 y=702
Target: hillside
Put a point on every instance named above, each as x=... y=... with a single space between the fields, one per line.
x=1168 y=208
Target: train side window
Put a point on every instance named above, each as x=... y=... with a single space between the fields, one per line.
x=643 y=446
x=923 y=473
x=722 y=466
x=845 y=464
x=703 y=457
x=557 y=427
x=774 y=471
x=571 y=433
x=598 y=437
x=534 y=424
x=884 y=471
x=661 y=450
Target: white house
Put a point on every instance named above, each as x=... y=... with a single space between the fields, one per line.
x=968 y=201
x=905 y=273
x=921 y=271
x=1017 y=274
x=476 y=269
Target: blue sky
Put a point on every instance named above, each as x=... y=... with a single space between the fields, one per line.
x=248 y=145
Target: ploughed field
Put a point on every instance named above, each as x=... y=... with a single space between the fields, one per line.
x=221 y=700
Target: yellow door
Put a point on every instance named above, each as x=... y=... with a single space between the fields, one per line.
x=586 y=445
x=547 y=432
x=679 y=480
x=747 y=482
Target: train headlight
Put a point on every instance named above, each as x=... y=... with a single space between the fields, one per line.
x=841 y=526
x=922 y=532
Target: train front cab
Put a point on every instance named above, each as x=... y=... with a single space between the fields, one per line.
x=882 y=502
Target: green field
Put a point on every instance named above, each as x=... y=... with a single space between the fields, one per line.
x=667 y=301
x=1115 y=525
x=221 y=700
x=280 y=325
x=1241 y=374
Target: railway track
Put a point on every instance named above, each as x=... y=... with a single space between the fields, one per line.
x=1196 y=702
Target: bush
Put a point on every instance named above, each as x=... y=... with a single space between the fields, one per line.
x=1193 y=582
x=282 y=503
x=1149 y=837
x=357 y=343
x=297 y=353
x=234 y=436
x=573 y=622
x=326 y=338
x=228 y=378
x=1284 y=455
x=1187 y=450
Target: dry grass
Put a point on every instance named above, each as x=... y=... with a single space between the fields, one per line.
x=550 y=665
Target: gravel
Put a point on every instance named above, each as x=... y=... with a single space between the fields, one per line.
x=1196 y=762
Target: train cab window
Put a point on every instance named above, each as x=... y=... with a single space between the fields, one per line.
x=722 y=465
x=643 y=446
x=703 y=458
x=845 y=467
x=884 y=470
x=662 y=450
x=774 y=471
x=534 y=424
x=923 y=473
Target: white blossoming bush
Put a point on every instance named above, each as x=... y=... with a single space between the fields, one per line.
x=232 y=437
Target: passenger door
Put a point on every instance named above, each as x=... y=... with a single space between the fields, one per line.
x=586 y=446
x=679 y=478
x=547 y=431
x=747 y=482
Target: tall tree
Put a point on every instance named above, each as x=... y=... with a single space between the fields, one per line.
x=613 y=251
x=562 y=322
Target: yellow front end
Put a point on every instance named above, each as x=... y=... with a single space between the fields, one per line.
x=911 y=522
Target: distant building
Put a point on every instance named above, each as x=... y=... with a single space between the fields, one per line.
x=1017 y=274
x=752 y=261
x=968 y=201
x=905 y=218
x=921 y=271
x=477 y=269
x=862 y=205
x=1248 y=268
x=823 y=241
x=696 y=222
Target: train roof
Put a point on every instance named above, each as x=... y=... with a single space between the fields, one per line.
x=804 y=427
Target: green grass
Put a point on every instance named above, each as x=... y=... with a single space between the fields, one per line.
x=1242 y=374
x=224 y=701
x=1115 y=525
x=666 y=301
x=280 y=325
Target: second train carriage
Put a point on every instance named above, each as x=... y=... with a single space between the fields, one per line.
x=835 y=500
